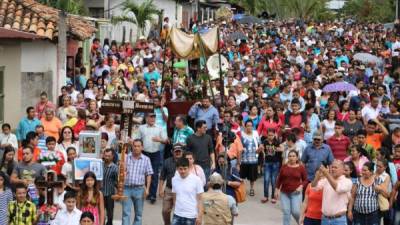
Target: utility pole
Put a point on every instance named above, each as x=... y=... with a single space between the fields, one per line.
x=61 y=50
x=397 y=9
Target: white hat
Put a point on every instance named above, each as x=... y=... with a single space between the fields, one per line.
x=142 y=37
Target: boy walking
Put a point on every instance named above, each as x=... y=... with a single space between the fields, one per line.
x=69 y=215
x=188 y=189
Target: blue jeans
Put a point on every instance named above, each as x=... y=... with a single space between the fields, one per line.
x=155 y=159
x=271 y=170
x=177 y=220
x=366 y=219
x=291 y=204
x=337 y=221
x=207 y=172
x=135 y=195
x=309 y=221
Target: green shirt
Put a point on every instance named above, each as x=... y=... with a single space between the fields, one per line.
x=181 y=135
x=21 y=213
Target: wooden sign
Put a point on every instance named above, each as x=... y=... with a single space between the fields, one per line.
x=111 y=106
x=145 y=107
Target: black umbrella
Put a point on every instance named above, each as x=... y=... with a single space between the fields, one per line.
x=237 y=36
x=249 y=19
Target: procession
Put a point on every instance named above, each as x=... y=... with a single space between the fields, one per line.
x=194 y=119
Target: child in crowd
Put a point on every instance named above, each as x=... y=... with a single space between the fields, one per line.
x=70 y=214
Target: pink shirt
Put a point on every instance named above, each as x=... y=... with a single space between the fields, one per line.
x=360 y=164
x=335 y=202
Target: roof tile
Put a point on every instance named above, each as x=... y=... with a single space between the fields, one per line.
x=30 y=16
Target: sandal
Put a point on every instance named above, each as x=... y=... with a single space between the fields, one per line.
x=264 y=200
x=273 y=200
x=252 y=192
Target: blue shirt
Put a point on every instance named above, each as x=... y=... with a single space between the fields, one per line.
x=159 y=118
x=151 y=76
x=313 y=158
x=210 y=115
x=25 y=126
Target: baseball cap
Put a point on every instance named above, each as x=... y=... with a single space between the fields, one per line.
x=317 y=135
x=216 y=178
x=177 y=147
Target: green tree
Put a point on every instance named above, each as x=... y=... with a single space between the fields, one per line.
x=370 y=10
x=70 y=6
x=142 y=14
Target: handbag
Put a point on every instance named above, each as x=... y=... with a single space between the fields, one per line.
x=240 y=193
x=383 y=203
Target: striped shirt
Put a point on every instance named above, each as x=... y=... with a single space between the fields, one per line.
x=366 y=200
x=110 y=178
x=137 y=169
x=5 y=197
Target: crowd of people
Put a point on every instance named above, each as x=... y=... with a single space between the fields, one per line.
x=328 y=157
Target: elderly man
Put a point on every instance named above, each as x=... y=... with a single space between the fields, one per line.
x=336 y=189
x=315 y=155
x=153 y=136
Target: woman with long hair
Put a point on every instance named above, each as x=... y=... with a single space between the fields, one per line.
x=67 y=139
x=269 y=121
x=6 y=196
x=7 y=162
x=248 y=161
x=328 y=125
x=310 y=97
x=254 y=116
x=88 y=91
x=289 y=186
x=350 y=171
x=343 y=113
x=90 y=198
x=358 y=157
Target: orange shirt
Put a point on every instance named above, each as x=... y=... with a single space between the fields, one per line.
x=375 y=140
x=314 y=205
x=52 y=128
x=36 y=154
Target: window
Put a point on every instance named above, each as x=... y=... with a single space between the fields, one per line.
x=96 y=12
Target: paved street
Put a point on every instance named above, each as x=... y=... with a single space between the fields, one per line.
x=251 y=212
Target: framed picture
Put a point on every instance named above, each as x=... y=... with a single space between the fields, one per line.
x=90 y=144
x=84 y=165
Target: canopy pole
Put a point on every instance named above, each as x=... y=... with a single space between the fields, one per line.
x=221 y=80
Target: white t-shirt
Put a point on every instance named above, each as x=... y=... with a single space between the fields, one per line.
x=369 y=113
x=329 y=129
x=186 y=190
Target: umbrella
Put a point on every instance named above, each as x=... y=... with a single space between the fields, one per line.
x=249 y=20
x=339 y=86
x=367 y=58
x=238 y=16
x=180 y=65
x=237 y=35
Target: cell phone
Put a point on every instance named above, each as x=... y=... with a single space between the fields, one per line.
x=325 y=163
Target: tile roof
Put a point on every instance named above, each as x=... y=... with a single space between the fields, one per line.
x=32 y=17
x=16 y=34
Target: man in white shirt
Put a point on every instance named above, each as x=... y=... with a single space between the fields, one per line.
x=188 y=189
x=70 y=215
x=240 y=95
x=7 y=138
x=371 y=111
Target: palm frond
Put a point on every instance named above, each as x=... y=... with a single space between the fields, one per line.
x=120 y=19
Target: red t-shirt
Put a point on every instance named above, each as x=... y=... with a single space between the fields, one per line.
x=314 y=205
x=339 y=146
x=290 y=178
